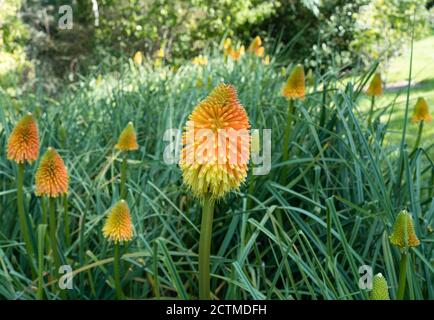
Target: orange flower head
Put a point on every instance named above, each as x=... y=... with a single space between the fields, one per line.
x=237 y=54
x=260 y=52
x=255 y=45
x=375 y=87
x=51 y=176
x=23 y=143
x=295 y=86
x=138 y=58
x=403 y=231
x=421 y=111
x=216 y=145
x=128 y=139
x=118 y=226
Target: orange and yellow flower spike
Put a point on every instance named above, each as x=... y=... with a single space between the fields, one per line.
x=127 y=139
x=138 y=58
x=23 y=146
x=421 y=111
x=256 y=47
x=295 y=87
x=23 y=143
x=227 y=47
x=266 y=60
x=51 y=176
x=376 y=86
x=403 y=234
x=223 y=168
x=214 y=161
x=237 y=54
x=118 y=226
x=200 y=61
x=404 y=237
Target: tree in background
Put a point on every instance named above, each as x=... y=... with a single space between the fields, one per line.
x=320 y=34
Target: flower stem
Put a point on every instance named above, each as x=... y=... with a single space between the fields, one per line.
x=402 y=276
x=22 y=216
x=117 y=272
x=41 y=243
x=371 y=111
x=66 y=220
x=205 y=248
x=419 y=136
x=53 y=227
x=123 y=177
x=286 y=136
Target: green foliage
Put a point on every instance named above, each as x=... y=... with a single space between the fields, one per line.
x=323 y=34
x=182 y=28
x=14 y=66
x=302 y=239
x=384 y=26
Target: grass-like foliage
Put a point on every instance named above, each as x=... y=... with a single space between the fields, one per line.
x=301 y=236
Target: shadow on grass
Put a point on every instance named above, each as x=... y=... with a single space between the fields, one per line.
x=423 y=86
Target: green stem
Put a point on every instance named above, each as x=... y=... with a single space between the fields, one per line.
x=419 y=136
x=123 y=177
x=66 y=220
x=156 y=282
x=53 y=227
x=251 y=188
x=402 y=276
x=286 y=137
x=22 y=216
x=41 y=243
x=287 y=133
x=117 y=272
x=205 y=248
x=371 y=111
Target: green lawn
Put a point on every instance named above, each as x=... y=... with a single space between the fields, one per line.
x=396 y=90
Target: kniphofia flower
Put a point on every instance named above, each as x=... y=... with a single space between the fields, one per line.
x=403 y=234
x=51 y=176
x=200 y=60
x=227 y=47
x=118 y=226
x=256 y=47
x=295 y=87
x=138 y=58
x=128 y=139
x=237 y=54
x=380 y=290
x=266 y=60
x=375 y=87
x=23 y=143
x=159 y=54
x=216 y=144
x=421 y=111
